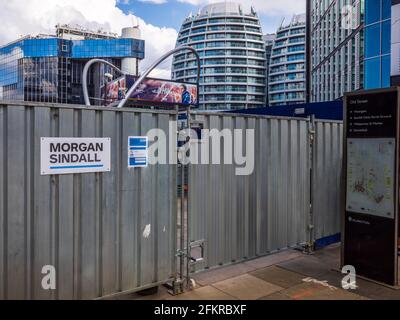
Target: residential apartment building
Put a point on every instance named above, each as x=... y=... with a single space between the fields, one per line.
x=230 y=43
x=287 y=72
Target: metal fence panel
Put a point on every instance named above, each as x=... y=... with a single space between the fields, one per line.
x=241 y=217
x=89 y=226
x=326 y=178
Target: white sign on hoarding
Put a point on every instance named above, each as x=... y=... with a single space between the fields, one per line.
x=74 y=155
x=138 y=152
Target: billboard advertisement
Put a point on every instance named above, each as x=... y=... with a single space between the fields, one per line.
x=151 y=90
x=113 y=91
x=395 y=65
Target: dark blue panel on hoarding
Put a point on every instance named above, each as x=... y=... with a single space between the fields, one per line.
x=326 y=241
x=332 y=110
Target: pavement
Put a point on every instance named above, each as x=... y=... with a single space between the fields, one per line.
x=287 y=275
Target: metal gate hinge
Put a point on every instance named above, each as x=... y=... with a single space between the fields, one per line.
x=197 y=244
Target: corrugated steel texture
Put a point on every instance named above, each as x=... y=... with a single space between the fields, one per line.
x=241 y=217
x=89 y=226
x=326 y=177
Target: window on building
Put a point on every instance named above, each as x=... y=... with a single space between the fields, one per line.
x=372 y=40
x=386 y=71
x=386 y=37
x=372 y=73
x=386 y=9
x=372 y=11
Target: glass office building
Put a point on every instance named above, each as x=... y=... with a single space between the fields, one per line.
x=230 y=43
x=377 y=43
x=286 y=81
x=336 y=48
x=49 y=69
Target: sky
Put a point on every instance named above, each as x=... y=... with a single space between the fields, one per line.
x=159 y=20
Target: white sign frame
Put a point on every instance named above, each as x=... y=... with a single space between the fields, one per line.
x=71 y=155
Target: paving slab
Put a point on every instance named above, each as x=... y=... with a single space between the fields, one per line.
x=203 y=293
x=333 y=250
x=273 y=259
x=315 y=291
x=208 y=277
x=375 y=291
x=247 y=287
x=276 y=296
x=279 y=276
x=331 y=261
x=308 y=265
x=316 y=266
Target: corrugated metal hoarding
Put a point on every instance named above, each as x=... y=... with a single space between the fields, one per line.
x=113 y=232
x=90 y=227
x=326 y=175
x=295 y=185
x=241 y=217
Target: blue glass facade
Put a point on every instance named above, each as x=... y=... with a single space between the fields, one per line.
x=49 y=69
x=78 y=49
x=111 y=48
x=377 y=43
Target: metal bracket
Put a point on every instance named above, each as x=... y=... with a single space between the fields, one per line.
x=175 y=287
x=194 y=245
x=180 y=253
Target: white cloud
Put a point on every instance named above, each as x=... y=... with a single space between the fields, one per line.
x=154 y=1
x=24 y=17
x=266 y=7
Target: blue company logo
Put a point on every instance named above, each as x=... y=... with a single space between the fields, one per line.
x=359 y=221
x=77 y=167
x=138 y=143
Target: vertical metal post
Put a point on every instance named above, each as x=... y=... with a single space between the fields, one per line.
x=310 y=226
x=183 y=252
x=188 y=249
x=182 y=235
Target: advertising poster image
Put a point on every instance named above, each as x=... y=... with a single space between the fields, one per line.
x=114 y=90
x=163 y=91
x=150 y=91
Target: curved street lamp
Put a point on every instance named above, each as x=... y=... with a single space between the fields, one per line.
x=155 y=64
x=85 y=73
x=141 y=78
